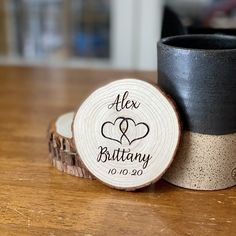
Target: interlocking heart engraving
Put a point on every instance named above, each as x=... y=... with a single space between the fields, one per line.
x=124 y=128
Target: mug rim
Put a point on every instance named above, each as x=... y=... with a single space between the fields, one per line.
x=163 y=42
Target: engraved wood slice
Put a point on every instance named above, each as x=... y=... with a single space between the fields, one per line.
x=61 y=149
x=127 y=133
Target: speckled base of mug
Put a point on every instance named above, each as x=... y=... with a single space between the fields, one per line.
x=204 y=162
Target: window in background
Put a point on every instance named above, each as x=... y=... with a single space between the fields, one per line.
x=47 y=28
x=90 y=28
x=39 y=28
x=80 y=33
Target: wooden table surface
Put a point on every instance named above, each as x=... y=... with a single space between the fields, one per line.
x=36 y=199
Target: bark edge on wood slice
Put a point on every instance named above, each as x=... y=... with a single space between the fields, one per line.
x=62 y=153
x=127 y=133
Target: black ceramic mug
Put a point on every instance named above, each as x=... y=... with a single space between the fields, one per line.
x=199 y=72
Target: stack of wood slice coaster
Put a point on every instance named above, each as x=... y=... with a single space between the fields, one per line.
x=61 y=149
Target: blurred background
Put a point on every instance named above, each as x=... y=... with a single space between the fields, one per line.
x=120 y=34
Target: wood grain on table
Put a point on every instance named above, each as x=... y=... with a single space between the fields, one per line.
x=36 y=199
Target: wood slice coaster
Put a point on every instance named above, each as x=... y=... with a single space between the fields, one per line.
x=127 y=133
x=62 y=152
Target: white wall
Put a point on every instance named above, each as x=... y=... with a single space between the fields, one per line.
x=136 y=28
